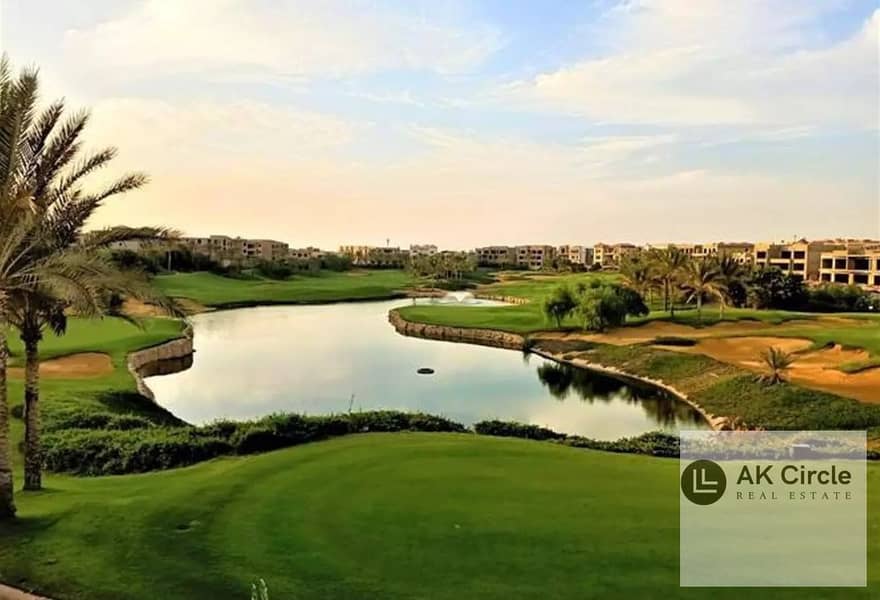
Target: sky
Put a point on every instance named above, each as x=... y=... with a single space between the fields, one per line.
x=465 y=123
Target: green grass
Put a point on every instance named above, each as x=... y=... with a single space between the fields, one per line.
x=113 y=392
x=380 y=516
x=213 y=290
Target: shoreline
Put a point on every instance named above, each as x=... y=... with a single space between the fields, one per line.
x=514 y=341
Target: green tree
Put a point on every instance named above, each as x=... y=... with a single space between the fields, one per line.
x=668 y=264
x=703 y=278
x=733 y=275
x=559 y=304
x=637 y=272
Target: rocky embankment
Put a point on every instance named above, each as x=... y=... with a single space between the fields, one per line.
x=170 y=357
x=484 y=337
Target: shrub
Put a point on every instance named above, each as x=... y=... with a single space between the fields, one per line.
x=104 y=443
x=514 y=429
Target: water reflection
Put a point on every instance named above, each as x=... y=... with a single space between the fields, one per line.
x=564 y=381
x=330 y=358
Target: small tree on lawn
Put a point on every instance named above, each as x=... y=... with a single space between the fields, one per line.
x=559 y=304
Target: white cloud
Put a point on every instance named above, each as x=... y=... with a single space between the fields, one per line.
x=327 y=38
x=717 y=62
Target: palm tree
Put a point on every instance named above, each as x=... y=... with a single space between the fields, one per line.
x=702 y=278
x=638 y=274
x=668 y=264
x=46 y=263
x=732 y=274
x=777 y=361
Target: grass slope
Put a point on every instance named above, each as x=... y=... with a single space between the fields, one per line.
x=390 y=516
x=213 y=290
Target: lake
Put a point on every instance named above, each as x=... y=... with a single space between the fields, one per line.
x=334 y=358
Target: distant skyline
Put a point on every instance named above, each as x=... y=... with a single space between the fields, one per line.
x=468 y=123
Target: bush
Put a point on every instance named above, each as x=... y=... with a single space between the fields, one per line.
x=105 y=444
x=514 y=429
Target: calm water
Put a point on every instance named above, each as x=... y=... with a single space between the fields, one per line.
x=323 y=359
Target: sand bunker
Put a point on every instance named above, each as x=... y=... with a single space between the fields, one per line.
x=75 y=366
x=818 y=369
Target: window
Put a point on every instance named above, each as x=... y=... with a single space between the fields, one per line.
x=798 y=266
x=876 y=279
x=786 y=254
x=826 y=276
x=841 y=278
x=762 y=254
x=861 y=278
x=799 y=254
x=840 y=263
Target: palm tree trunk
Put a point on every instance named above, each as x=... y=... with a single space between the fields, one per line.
x=33 y=452
x=7 y=502
x=700 y=309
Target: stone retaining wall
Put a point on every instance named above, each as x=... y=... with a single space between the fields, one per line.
x=146 y=362
x=484 y=337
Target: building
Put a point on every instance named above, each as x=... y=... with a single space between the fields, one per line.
x=496 y=256
x=375 y=256
x=535 y=258
x=854 y=265
x=799 y=258
x=576 y=255
x=225 y=248
x=608 y=256
x=739 y=251
x=422 y=250
x=309 y=253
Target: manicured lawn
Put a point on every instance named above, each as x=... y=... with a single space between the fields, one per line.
x=113 y=392
x=213 y=290
x=864 y=332
x=381 y=516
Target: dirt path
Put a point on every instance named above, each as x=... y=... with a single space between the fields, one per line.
x=74 y=366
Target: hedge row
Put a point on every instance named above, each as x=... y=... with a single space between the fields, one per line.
x=99 y=446
x=654 y=443
x=110 y=445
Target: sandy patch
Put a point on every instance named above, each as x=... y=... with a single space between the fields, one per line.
x=817 y=369
x=74 y=366
x=138 y=309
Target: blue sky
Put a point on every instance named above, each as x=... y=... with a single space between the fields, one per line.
x=465 y=123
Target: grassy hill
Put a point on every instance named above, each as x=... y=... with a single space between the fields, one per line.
x=390 y=516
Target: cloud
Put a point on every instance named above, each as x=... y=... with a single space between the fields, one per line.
x=713 y=62
x=307 y=39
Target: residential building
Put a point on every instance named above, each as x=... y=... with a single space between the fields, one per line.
x=309 y=253
x=535 y=257
x=799 y=258
x=225 y=248
x=576 y=255
x=496 y=256
x=608 y=256
x=740 y=251
x=854 y=265
x=422 y=250
x=375 y=256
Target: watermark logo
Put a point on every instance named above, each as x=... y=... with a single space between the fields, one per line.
x=773 y=508
x=703 y=482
